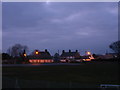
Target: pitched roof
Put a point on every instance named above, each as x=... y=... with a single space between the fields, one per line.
x=68 y=54
x=40 y=55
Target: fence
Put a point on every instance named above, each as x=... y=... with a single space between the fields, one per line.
x=109 y=86
x=20 y=83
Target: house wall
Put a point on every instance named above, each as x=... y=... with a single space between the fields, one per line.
x=41 y=61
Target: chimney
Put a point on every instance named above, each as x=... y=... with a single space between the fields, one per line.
x=69 y=50
x=76 y=50
x=63 y=51
x=46 y=50
x=24 y=51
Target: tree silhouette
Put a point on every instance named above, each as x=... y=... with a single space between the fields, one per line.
x=115 y=46
x=17 y=50
x=6 y=56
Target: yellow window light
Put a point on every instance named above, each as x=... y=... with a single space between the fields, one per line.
x=24 y=54
x=36 y=52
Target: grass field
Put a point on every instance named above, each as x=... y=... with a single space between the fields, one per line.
x=85 y=73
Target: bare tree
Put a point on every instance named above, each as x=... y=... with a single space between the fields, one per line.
x=17 y=50
x=115 y=46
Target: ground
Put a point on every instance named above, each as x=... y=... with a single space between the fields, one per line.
x=87 y=73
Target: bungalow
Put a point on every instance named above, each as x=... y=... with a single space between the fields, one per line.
x=40 y=57
x=69 y=56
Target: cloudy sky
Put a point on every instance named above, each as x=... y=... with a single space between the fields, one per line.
x=56 y=26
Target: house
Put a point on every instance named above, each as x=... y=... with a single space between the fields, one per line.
x=85 y=58
x=40 y=57
x=107 y=56
x=113 y=55
x=56 y=57
x=69 y=56
x=7 y=59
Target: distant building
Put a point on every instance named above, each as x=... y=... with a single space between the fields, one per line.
x=69 y=56
x=85 y=58
x=56 y=57
x=107 y=56
x=40 y=57
x=114 y=55
x=7 y=59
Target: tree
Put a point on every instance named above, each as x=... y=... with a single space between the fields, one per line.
x=115 y=46
x=6 y=56
x=17 y=50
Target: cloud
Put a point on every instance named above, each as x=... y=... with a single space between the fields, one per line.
x=69 y=18
x=60 y=25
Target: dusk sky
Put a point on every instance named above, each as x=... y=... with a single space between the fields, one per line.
x=88 y=26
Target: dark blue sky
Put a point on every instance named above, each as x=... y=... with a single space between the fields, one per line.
x=91 y=26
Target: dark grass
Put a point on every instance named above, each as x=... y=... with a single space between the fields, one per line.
x=85 y=73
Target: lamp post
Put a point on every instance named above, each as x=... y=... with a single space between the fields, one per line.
x=36 y=52
x=88 y=53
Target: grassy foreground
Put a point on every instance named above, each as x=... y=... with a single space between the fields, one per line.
x=88 y=73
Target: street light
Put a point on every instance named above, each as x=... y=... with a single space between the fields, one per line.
x=36 y=52
x=88 y=53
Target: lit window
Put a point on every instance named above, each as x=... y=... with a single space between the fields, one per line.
x=41 y=61
x=36 y=52
x=24 y=55
x=35 y=61
x=30 y=61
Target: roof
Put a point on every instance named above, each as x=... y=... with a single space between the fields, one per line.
x=111 y=53
x=68 y=54
x=40 y=55
x=84 y=57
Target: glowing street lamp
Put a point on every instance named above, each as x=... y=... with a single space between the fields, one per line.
x=88 y=53
x=36 y=52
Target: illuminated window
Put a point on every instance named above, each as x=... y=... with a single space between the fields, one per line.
x=83 y=59
x=36 y=52
x=35 y=61
x=38 y=61
x=30 y=61
x=48 y=60
x=24 y=55
x=42 y=61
